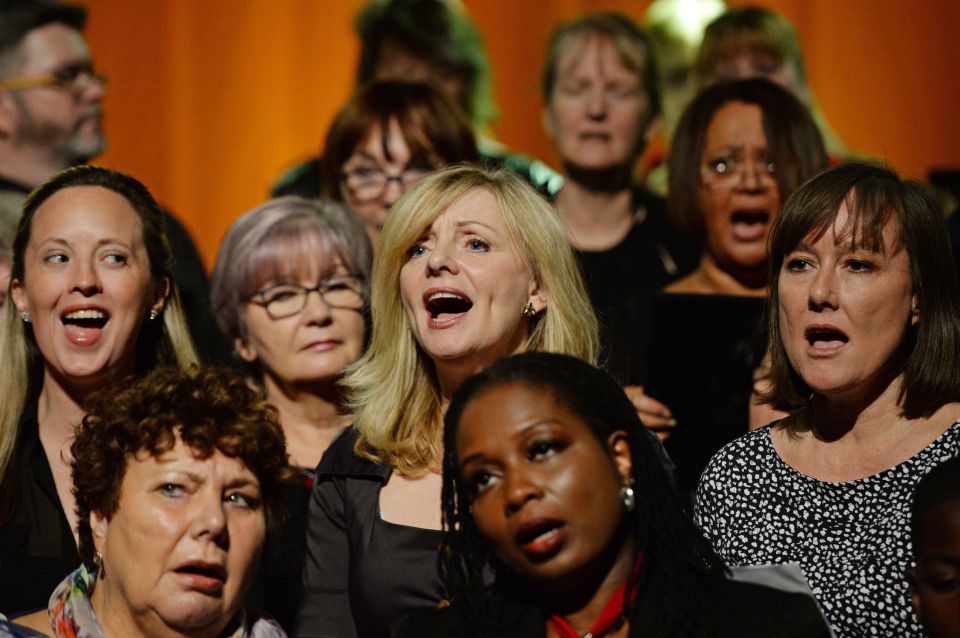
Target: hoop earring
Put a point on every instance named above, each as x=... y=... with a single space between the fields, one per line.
x=628 y=496
x=528 y=311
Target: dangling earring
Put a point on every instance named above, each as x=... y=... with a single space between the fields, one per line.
x=25 y=316
x=97 y=563
x=153 y=314
x=529 y=311
x=628 y=496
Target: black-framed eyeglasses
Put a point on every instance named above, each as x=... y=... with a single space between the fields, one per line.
x=367 y=183
x=725 y=171
x=76 y=79
x=286 y=300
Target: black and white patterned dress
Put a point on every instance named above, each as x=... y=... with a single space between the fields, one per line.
x=851 y=539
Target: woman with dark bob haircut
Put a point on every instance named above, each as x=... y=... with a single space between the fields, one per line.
x=864 y=330
x=550 y=480
x=178 y=478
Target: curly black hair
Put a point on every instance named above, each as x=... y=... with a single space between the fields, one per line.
x=676 y=554
x=209 y=409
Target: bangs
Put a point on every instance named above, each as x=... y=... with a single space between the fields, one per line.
x=756 y=44
x=289 y=253
x=869 y=203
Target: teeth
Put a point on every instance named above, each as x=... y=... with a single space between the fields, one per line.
x=443 y=295
x=89 y=313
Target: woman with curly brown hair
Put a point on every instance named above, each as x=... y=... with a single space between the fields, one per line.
x=178 y=478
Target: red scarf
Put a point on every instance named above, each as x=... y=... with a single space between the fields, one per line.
x=611 y=616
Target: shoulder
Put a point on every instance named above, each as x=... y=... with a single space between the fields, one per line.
x=741 y=455
x=303 y=180
x=340 y=460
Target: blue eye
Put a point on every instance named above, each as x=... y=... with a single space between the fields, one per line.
x=243 y=500
x=416 y=250
x=478 y=245
x=172 y=490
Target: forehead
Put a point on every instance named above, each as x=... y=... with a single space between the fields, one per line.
x=292 y=258
x=477 y=205
x=736 y=123
x=855 y=225
x=498 y=415
x=217 y=467
x=52 y=47
x=592 y=54
x=88 y=212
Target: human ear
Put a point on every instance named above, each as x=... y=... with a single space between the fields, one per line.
x=8 y=115
x=19 y=296
x=537 y=297
x=619 y=449
x=914 y=594
x=160 y=296
x=99 y=524
x=914 y=311
x=247 y=352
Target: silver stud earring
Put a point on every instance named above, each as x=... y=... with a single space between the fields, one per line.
x=25 y=316
x=153 y=314
x=628 y=496
x=529 y=311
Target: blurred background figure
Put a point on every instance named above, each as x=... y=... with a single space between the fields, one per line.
x=388 y=137
x=935 y=535
x=738 y=152
x=747 y=42
x=179 y=478
x=50 y=101
x=295 y=345
x=92 y=301
x=601 y=102
x=429 y=41
x=473 y=265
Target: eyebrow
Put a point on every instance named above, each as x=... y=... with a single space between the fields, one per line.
x=100 y=243
x=479 y=455
x=471 y=222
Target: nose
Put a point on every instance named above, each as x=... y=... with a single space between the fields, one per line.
x=754 y=176
x=597 y=104
x=86 y=280
x=442 y=258
x=316 y=309
x=209 y=517
x=520 y=489
x=823 y=290
x=392 y=191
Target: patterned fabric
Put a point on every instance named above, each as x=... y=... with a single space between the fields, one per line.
x=851 y=539
x=71 y=615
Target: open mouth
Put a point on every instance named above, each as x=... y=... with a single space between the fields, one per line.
x=540 y=539
x=90 y=318
x=206 y=577
x=750 y=224
x=445 y=305
x=825 y=338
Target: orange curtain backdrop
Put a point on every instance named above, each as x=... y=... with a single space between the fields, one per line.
x=211 y=99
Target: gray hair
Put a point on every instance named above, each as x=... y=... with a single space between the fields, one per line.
x=276 y=238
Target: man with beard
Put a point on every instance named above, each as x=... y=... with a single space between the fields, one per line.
x=50 y=119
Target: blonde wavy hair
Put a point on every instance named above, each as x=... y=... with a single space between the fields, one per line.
x=393 y=389
x=159 y=342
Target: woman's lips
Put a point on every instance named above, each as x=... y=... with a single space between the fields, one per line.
x=83 y=327
x=824 y=340
x=207 y=578
x=541 y=538
x=445 y=307
x=322 y=345
x=748 y=225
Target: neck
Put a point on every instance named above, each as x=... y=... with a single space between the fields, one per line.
x=115 y=617
x=858 y=417
x=744 y=282
x=582 y=603
x=27 y=165
x=311 y=416
x=59 y=409
x=595 y=219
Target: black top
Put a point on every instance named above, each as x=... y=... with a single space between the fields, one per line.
x=37 y=549
x=650 y=256
x=732 y=609
x=361 y=573
x=696 y=354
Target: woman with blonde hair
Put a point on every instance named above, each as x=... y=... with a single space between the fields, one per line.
x=472 y=266
x=91 y=301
